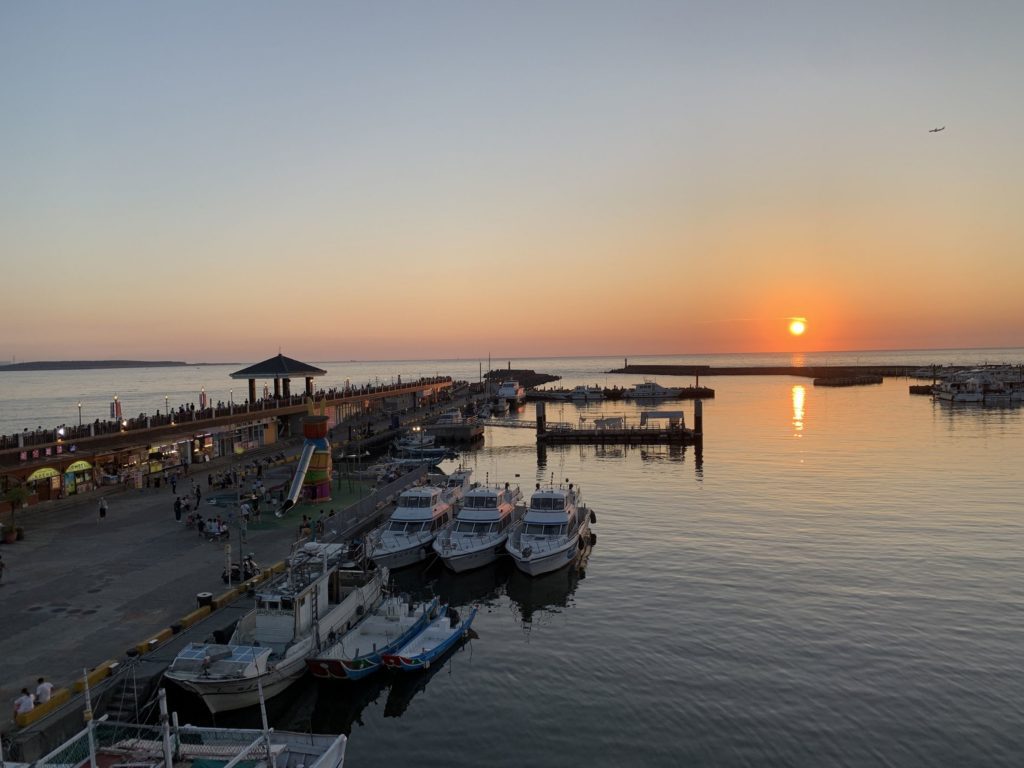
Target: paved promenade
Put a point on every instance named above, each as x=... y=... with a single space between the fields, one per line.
x=79 y=590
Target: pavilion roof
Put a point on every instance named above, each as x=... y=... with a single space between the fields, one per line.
x=279 y=367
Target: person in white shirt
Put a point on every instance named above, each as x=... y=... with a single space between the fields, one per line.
x=24 y=703
x=43 y=691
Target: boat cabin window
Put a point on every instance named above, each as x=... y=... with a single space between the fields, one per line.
x=418 y=502
x=400 y=526
x=542 y=529
x=482 y=502
x=547 y=502
x=476 y=529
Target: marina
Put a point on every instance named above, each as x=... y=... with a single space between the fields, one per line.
x=568 y=605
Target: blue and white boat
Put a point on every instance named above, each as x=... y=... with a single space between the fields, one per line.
x=431 y=644
x=555 y=528
x=358 y=652
x=481 y=527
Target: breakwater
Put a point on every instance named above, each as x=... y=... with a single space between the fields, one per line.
x=810 y=372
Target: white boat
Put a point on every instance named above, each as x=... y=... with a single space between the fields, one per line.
x=457 y=484
x=551 y=532
x=407 y=535
x=109 y=743
x=974 y=386
x=451 y=418
x=417 y=439
x=512 y=392
x=587 y=392
x=322 y=591
x=478 y=534
x=499 y=407
x=651 y=390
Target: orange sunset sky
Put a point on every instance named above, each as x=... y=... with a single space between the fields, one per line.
x=211 y=182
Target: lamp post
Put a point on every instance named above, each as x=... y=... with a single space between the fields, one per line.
x=79 y=413
x=167 y=408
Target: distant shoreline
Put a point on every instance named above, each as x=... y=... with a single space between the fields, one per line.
x=84 y=365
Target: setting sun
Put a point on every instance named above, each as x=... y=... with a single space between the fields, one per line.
x=797 y=326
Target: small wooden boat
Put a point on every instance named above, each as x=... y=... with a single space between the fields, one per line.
x=358 y=652
x=430 y=644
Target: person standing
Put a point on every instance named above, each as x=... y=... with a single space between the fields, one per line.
x=2 y=566
x=43 y=691
x=177 y=509
x=103 y=508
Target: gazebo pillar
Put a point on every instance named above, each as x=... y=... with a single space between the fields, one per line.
x=277 y=388
x=252 y=391
x=287 y=387
x=309 y=386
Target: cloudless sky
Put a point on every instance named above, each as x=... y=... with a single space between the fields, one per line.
x=214 y=181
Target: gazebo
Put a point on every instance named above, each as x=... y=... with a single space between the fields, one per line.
x=282 y=370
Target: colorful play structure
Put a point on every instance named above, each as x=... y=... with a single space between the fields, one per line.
x=312 y=481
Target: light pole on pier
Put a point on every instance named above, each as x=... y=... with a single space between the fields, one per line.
x=167 y=408
x=79 y=413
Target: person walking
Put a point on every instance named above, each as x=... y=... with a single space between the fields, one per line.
x=2 y=566
x=177 y=509
x=103 y=508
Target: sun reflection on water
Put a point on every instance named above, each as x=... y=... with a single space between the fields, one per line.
x=798 y=409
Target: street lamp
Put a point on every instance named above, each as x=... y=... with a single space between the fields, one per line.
x=167 y=408
x=79 y=413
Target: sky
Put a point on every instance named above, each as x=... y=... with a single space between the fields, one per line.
x=338 y=180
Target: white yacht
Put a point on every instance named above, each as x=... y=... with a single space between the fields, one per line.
x=457 y=484
x=407 y=535
x=976 y=386
x=481 y=527
x=650 y=390
x=552 y=531
x=321 y=592
x=587 y=392
x=512 y=392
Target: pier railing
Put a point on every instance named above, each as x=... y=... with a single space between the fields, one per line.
x=190 y=414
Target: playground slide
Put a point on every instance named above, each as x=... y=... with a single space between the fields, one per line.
x=300 y=473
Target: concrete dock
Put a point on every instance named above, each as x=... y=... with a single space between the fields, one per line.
x=79 y=591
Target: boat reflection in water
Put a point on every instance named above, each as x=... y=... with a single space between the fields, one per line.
x=538 y=594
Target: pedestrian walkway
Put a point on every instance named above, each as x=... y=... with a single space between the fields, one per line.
x=79 y=590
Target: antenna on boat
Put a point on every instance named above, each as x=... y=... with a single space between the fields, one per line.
x=266 y=726
x=88 y=720
x=165 y=729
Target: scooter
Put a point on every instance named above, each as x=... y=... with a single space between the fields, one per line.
x=248 y=570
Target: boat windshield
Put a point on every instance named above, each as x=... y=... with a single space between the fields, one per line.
x=540 y=529
x=481 y=502
x=398 y=526
x=474 y=528
x=417 y=502
x=547 y=502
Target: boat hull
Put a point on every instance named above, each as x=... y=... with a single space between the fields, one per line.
x=469 y=561
x=401 y=558
x=548 y=562
x=423 y=660
x=228 y=695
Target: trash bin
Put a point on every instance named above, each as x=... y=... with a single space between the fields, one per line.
x=204 y=598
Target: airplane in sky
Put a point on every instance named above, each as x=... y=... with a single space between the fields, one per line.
x=936 y=130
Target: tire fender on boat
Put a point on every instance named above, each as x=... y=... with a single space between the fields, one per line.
x=593 y=516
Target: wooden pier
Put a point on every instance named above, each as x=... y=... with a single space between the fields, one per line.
x=668 y=429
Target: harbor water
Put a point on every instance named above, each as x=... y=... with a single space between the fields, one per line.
x=838 y=580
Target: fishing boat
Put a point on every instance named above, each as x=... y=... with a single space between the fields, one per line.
x=555 y=528
x=586 y=392
x=107 y=743
x=457 y=484
x=650 y=390
x=417 y=439
x=481 y=526
x=431 y=643
x=324 y=589
x=512 y=392
x=407 y=535
x=974 y=386
x=357 y=653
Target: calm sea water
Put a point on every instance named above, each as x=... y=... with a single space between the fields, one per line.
x=839 y=581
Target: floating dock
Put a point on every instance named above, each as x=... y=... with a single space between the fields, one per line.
x=655 y=428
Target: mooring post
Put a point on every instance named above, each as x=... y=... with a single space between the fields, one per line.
x=541 y=418
x=698 y=418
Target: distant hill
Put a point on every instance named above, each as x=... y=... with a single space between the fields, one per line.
x=79 y=365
